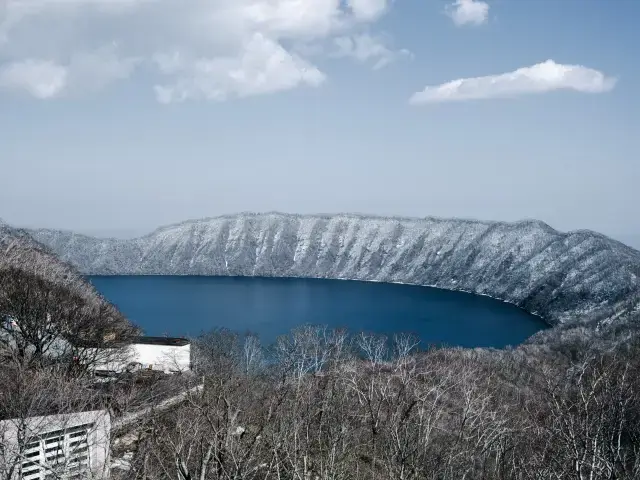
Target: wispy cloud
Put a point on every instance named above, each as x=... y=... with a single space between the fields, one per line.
x=468 y=12
x=367 y=48
x=227 y=48
x=45 y=79
x=368 y=9
x=542 y=77
x=41 y=79
x=264 y=67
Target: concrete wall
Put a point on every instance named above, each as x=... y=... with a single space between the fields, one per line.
x=26 y=441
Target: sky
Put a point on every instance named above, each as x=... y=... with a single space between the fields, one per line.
x=118 y=116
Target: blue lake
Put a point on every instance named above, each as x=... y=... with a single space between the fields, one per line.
x=188 y=306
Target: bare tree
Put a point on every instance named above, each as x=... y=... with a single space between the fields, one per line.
x=309 y=348
x=42 y=322
x=374 y=348
x=591 y=417
x=313 y=411
x=51 y=424
x=253 y=354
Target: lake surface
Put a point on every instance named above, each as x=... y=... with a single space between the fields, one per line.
x=188 y=306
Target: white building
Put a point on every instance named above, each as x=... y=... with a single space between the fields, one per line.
x=69 y=446
x=164 y=354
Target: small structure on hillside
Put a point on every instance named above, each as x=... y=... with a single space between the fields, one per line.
x=163 y=354
x=166 y=354
x=70 y=446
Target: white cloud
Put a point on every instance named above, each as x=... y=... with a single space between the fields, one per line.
x=539 y=78
x=364 y=48
x=468 y=12
x=85 y=71
x=40 y=78
x=227 y=48
x=304 y=18
x=367 y=9
x=264 y=67
x=91 y=71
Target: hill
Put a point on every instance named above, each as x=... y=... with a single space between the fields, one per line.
x=30 y=270
x=566 y=278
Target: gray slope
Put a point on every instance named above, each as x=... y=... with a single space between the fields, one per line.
x=19 y=250
x=563 y=277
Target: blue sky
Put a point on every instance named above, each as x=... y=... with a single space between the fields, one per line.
x=116 y=117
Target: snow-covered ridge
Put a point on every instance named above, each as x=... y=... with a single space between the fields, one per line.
x=564 y=277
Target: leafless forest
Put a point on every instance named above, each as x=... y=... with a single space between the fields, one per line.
x=321 y=404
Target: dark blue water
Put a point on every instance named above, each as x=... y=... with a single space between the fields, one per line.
x=188 y=306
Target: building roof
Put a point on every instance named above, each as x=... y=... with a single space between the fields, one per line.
x=170 y=341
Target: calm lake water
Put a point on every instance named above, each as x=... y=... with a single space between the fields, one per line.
x=182 y=306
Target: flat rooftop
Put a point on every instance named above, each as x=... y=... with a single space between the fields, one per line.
x=171 y=341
